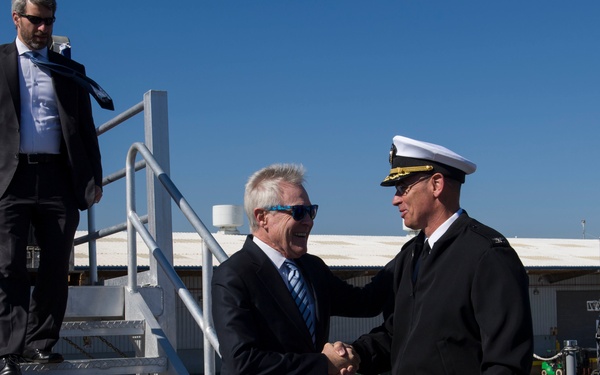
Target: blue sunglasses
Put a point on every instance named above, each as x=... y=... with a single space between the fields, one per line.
x=298 y=212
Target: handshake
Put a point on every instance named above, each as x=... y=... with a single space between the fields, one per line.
x=342 y=359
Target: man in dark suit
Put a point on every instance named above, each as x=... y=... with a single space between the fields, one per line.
x=49 y=169
x=262 y=329
x=461 y=292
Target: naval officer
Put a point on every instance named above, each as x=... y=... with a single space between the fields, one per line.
x=461 y=292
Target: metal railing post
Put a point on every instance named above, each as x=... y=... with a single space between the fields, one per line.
x=156 y=127
x=570 y=349
x=131 y=232
x=93 y=259
x=207 y=272
x=160 y=222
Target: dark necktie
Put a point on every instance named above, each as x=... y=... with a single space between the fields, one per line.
x=87 y=83
x=300 y=295
x=420 y=253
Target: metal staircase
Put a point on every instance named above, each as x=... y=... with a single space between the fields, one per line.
x=98 y=311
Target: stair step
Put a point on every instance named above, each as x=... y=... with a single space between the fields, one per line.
x=100 y=366
x=102 y=328
x=98 y=301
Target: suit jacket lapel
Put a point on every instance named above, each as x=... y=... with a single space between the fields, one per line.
x=9 y=75
x=273 y=283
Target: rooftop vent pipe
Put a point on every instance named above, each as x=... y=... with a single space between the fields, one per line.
x=228 y=218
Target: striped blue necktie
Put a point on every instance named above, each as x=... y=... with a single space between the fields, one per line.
x=87 y=83
x=300 y=296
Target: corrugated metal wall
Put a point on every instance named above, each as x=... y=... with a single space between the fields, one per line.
x=349 y=329
x=545 y=311
x=543 y=299
x=189 y=335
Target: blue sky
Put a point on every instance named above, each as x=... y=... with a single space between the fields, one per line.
x=512 y=85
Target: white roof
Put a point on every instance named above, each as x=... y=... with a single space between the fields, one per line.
x=344 y=251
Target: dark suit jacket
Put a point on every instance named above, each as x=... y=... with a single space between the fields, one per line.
x=259 y=327
x=467 y=313
x=80 y=142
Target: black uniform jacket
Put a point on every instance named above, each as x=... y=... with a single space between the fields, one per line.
x=80 y=142
x=467 y=313
x=259 y=327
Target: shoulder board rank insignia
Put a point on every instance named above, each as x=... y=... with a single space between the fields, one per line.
x=499 y=240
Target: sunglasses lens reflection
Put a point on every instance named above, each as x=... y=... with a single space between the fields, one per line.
x=298 y=212
x=35 y=20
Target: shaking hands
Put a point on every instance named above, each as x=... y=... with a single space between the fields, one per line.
x=342 y=358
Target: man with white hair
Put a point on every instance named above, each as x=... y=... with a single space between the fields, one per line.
x=272 y=300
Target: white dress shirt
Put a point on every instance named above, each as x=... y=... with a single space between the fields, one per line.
x=443 y=228
x=40 y=123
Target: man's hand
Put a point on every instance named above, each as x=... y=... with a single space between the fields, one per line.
x=342 y=359
x=98 y=194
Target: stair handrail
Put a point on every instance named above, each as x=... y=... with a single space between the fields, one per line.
x=156 y=148
x=135 y=225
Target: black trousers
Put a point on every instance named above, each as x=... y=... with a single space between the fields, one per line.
x=39 y=195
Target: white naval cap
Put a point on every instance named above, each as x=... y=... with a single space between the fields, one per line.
x=411 y=156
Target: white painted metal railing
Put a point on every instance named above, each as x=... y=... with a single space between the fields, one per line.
x=157 y=235
x=135 y=225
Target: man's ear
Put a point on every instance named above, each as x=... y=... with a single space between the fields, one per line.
x=438 y=182
x=261 y=216
x=15 y=18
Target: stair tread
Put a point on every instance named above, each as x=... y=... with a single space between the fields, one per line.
x=102 y=328
x=119 y=322
x=97 y=366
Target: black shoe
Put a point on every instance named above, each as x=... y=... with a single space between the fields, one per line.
x=41 y=356
x=10 y=365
